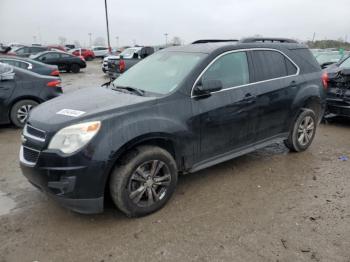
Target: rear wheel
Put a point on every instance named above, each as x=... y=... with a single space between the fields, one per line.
x=303 y=131
x=75 y=68
x=20 y=112
x=144 y=181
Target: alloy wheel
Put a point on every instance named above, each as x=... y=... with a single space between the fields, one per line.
x=23 y=113
x=149 y=183
x=306 y=130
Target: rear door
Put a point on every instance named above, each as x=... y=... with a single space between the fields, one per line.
x=7 y=87
x=276 y=83
x=51 y=59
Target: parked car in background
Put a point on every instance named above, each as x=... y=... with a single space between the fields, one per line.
x=127 y=59
x=64 y=61
x=31 y=65
x=100 y=51
x=180 y=110
x=338 y=95
x=127 y=53
x=86 y=53
x=22 y=90
x=26 y=51
x=68 y=47
x=57 y=47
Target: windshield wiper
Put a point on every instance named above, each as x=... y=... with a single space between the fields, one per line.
x=135 y=90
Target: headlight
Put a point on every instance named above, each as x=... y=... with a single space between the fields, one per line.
x=72 y=138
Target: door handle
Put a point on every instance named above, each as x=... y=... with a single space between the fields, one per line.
x=249 y=99
x=293 y=83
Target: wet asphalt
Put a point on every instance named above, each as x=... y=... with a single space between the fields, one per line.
x=270 y=205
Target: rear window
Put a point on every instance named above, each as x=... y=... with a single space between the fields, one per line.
x=271 y=64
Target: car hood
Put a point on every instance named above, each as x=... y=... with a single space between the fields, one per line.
x=83 y=105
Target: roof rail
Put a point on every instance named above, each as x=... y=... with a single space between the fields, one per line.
x=267 y=39
x=203 y=41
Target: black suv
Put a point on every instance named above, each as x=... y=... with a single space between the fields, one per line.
x=179 y=110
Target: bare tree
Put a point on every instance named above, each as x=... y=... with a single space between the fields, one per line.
x=99 y=41
x=62 y=40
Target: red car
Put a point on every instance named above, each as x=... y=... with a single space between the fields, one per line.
x=86 y=53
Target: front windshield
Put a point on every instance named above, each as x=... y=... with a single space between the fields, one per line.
x=161 y=72
x=129 y=52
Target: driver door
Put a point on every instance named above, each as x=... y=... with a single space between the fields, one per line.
x=225 y=117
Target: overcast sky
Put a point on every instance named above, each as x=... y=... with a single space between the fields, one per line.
x=145 y=22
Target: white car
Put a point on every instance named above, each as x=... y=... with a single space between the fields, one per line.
x=100 y=51
x=128 y=53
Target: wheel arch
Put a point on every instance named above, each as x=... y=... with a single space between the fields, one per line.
x=162 y=140
x=20 y=98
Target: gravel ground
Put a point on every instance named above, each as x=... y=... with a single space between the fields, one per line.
x=270 y=205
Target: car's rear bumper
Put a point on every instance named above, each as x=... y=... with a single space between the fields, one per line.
x=338 y=107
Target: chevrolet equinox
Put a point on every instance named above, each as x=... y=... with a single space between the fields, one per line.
x=179 y=110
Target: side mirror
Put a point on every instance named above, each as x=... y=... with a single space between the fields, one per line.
x=43 y=58
x=205 y=87
x=121 y=57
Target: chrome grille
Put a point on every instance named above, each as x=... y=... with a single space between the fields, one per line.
x=34 y=133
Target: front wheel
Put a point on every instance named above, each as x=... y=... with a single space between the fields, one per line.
x=303 y=131
x=75 y=68
x=144 y=181
x=20 y=112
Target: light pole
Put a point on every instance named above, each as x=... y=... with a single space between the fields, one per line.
x=166 y=39
x=109 y=42
x=90 y=42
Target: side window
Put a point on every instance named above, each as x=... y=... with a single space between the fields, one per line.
x=23 y=50
x=65 y=56
x=52 y=55
x=231 y=69
x=10 y=62
x=268 y=65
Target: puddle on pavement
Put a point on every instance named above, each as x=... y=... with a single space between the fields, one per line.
x=6 y=204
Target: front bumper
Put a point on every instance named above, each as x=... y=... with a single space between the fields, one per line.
x=71 y=181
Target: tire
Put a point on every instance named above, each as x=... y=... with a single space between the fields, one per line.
x=131 y=189
x=20 y=111
x=75 y=68
x=302 y=132
x=89 y=58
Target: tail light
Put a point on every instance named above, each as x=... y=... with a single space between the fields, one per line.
x=55 y=73
x=325 y=80
x=54 y=83
x=121 y=65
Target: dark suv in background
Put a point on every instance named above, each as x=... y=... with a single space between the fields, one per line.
x=179 y=110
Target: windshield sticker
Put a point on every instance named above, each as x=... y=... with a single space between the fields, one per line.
x=70 y=112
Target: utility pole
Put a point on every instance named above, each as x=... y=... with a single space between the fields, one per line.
x=90 y=41
x=166 y=39
x=313 y=37
x=109 y=42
